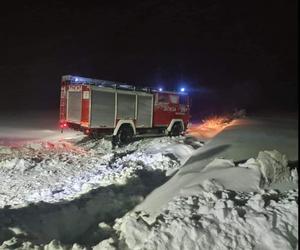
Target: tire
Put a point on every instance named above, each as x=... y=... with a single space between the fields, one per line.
x=176 y=130
x=124 y=135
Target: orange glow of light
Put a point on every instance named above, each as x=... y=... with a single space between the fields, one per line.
x=209 y=127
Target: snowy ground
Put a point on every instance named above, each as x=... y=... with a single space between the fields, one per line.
x=237 y=191
x=60 y=170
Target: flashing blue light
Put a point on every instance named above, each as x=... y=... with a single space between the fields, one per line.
x=76 y=79
x=182 y=89
x=160 y=89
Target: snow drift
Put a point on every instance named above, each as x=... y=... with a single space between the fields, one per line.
x=221 y=220
x=223 y=206
x=221 y=195
x=220 y=174
x=240 y=141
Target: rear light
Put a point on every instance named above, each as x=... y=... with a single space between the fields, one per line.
x=63 y=125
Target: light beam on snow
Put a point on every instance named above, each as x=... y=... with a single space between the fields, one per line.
x=209 y=127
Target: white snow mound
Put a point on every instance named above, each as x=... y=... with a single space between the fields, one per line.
x=218 y=206
x=208 y=221
x=251 y=176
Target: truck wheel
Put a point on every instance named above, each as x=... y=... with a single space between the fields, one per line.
x=176 y=129
x=124 y=135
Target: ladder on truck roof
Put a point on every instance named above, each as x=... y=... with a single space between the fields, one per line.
x=102 y=83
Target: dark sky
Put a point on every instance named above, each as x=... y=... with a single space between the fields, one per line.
x=227 y=53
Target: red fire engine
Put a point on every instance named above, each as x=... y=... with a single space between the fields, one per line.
x=100 y=107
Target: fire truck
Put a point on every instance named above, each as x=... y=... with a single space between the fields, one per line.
x=101 y=107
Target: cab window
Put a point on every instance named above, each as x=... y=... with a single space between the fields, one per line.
x=162 y=98
x=174 y=99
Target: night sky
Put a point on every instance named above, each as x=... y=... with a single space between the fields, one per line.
x=226 y=53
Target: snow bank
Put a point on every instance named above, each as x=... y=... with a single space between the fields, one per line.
x=70 y=187
x=252 y=176
x=244 y=138
x=60 y=170
x=220 y=220
x=218 y=206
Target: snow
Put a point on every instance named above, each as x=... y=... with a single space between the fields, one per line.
x=229 y=220
x=217 y=175
x=237 y=142
x=222 y=197
x=59 y=170
x=238 y=190
x=222 y=206
x=87 y=181
x=244 y=138
x=210 y=127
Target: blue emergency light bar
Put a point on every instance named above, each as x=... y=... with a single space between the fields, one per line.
x=110 y=84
